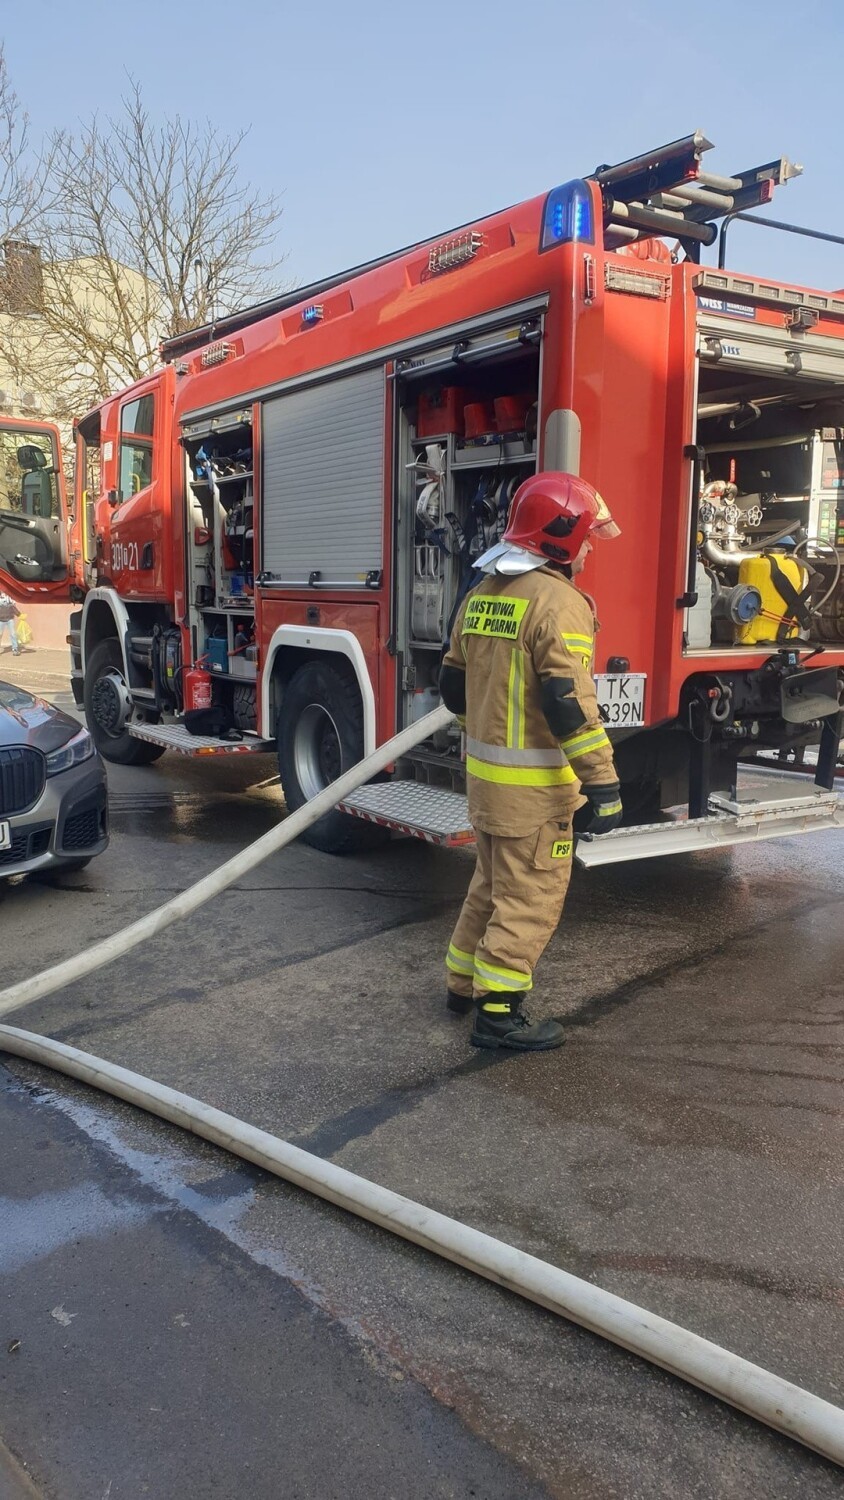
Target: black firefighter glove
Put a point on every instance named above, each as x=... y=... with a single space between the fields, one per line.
x=603 y=813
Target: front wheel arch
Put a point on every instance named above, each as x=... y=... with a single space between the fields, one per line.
x=320 y=735
x=106 y=659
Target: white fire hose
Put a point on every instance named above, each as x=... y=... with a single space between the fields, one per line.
x=759 y=1393
x=226 y=874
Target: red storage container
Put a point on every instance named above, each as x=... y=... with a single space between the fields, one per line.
x=478 y=418
x=510 y=412
x=440 y=411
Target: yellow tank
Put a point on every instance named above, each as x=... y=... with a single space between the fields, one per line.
x=757 y=573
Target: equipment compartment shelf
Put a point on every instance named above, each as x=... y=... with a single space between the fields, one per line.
x=205 y=484
x=494 y=462
x=246 y=608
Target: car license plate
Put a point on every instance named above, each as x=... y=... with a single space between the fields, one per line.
x=621 y=699
x=5 y=835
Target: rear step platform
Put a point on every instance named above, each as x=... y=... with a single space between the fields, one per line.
x=415 y=809
x=744 y=821
x=441 y=817
x=176 y=737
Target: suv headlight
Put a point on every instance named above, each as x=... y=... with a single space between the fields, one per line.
x=80 y=748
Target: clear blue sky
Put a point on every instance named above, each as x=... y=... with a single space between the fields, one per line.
x=380 y=124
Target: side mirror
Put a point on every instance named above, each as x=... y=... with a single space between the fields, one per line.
x=113 y=497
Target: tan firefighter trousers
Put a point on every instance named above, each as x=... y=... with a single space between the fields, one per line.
x=514 y=902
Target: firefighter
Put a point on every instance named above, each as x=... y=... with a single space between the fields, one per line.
x=517 y=675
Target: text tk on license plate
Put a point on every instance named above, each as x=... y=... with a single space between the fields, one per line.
x=5 y=835
x=621 y=698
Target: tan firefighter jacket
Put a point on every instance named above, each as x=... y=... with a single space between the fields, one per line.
x=533 y=729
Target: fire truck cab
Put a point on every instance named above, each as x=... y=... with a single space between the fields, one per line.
x=34 y=558
x=271 y=533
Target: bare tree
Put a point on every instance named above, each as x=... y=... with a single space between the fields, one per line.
x=21 y=172
x=144 y=229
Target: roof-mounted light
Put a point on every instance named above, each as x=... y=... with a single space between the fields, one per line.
x=216 y=354
x=567 y=216
x=450 y=254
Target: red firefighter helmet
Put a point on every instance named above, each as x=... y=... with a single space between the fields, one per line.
x=551 y=516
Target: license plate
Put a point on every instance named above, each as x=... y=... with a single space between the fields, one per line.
x=621 y=699
x=5 y=835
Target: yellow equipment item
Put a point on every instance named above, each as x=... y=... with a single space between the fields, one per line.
x=767 y=626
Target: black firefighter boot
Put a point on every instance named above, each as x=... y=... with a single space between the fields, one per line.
x=459 y=1005
x=507 y=1026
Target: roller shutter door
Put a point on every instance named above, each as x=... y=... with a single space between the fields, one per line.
x=323 y=481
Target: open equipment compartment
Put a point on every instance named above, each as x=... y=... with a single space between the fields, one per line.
x=466 y=438
x=220 y=503
x=770 y=518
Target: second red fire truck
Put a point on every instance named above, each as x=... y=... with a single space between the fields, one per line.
x=274 y=527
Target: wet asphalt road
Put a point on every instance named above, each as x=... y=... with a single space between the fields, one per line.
x=684 y=1150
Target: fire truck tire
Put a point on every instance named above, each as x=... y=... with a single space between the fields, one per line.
x=245 y=707
x=120 y=748
x=320 y=735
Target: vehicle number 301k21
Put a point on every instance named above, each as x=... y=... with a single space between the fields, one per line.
x=124 y=556
x=621 y=699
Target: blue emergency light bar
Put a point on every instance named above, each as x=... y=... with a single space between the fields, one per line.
x=567 y=216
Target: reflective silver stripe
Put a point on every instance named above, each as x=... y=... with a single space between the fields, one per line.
x=498 y=980
x=499 y=755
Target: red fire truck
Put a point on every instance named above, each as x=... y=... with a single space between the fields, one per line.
x=276 y=524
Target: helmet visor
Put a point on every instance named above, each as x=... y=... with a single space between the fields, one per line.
x=603 y=525
x=605 y=529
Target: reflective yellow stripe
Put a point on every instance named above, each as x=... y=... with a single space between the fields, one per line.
x=520 y=775
x=499 y=1008
x=610 y=810
x=584 y=742
x=574 y=741
x=579 y=645
x=516 y=702
x=502 y=986
x=458 y=961
x=497 y=979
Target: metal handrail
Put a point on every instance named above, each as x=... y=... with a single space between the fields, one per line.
x=812 y=234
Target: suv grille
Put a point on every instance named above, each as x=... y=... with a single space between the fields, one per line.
x=23 y=773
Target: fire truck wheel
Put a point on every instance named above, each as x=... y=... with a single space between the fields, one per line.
x=119 y=747
x=320 y=735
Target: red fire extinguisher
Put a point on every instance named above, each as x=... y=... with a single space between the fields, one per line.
x=197 y=688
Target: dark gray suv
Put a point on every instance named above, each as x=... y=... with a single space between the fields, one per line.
x=53 y=802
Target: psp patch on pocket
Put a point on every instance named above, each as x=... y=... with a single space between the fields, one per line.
x=561 y=849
